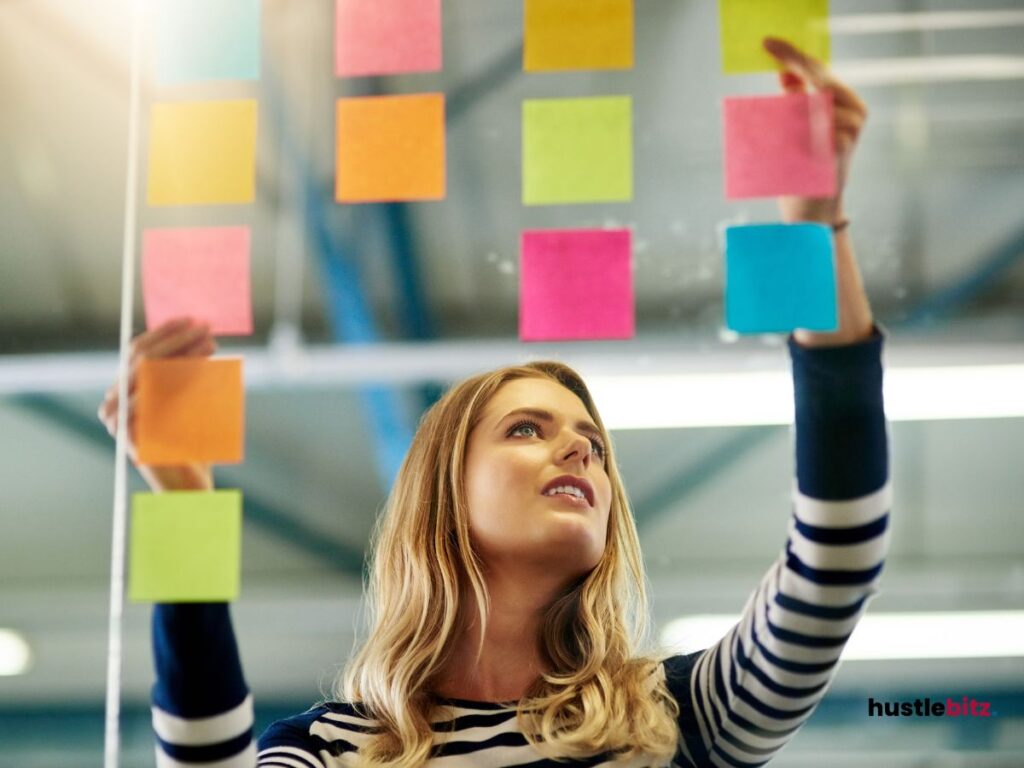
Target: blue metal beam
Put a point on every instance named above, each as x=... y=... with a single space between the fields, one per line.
x=348 y=310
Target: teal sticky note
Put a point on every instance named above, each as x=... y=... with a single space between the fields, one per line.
x=200 y=40
x=779 y=277
x=185 y=547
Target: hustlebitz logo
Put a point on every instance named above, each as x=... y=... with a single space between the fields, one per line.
x=961 y=707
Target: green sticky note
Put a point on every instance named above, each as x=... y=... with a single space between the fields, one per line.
x=186 y=547
x=745 y=23
x=577 y=150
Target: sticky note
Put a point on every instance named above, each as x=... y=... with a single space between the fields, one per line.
x=577 y=34
x=386 y=37
x=202 y=153
x=779 y=145
x=745 y=23
x=577 y=150
x=201 y=40
x=576 y=284
x=201 y=273
x=779 y=277
x=185 y=547
x=190 y=409
x=390 y=148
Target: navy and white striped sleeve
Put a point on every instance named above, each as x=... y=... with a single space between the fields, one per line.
x=202 y=709
x=751 y=692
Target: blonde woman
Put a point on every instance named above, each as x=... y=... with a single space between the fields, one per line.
x=507 y=602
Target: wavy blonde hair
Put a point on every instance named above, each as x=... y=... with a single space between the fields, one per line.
x=601 y=694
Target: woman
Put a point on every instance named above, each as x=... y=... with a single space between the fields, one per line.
x=507 y=600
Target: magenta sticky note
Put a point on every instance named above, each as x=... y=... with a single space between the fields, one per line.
x=386 y=37
x=576 y=284
x=779 y=145
x=201 y=273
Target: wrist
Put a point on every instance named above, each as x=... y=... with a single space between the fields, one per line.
x=828 y=211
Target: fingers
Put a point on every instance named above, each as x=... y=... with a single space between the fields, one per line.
x=809 y=69
x=168 y=340
x=107 y=413
x=147 y=339
x=182 y=337
x=795 y=60
x=203 y=346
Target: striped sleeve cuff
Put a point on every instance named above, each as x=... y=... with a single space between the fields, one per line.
x=221 y=741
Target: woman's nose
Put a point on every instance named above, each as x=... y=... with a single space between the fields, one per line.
x=579 y=448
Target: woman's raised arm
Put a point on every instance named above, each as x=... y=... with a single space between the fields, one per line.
x=751 y=691
x=202 y=710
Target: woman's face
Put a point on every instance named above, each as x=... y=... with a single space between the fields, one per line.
x=535 y=436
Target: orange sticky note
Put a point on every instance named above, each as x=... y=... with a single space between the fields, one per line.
x=390 y=148
x=202 y=153
x=190 y=409
x=577 y=34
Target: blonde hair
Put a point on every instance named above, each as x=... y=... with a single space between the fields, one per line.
x=600 y=695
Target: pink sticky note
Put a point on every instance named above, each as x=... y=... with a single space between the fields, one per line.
x=385 y=37
x=576 y=284
x=779 y=145
x=201 y=273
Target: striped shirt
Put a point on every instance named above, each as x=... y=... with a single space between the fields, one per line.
x=740 y=701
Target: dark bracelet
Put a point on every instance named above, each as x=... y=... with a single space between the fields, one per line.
x=839 y=226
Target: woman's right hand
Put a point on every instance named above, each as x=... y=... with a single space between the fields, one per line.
x=175 y=338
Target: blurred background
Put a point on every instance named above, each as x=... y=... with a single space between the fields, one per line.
x=365 y=312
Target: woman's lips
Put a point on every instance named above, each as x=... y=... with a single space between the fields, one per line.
x=566 y=498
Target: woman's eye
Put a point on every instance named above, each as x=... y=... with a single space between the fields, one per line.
x=518 y=429
x=598 y=447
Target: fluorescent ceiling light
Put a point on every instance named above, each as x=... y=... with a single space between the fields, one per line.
x=766 y=397
x=929 y=69
x=885 y=636
x=15 y=654
x=874 y=23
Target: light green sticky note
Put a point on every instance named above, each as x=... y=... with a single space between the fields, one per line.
x=577 y=150
x=745 y=23
x=186 y=547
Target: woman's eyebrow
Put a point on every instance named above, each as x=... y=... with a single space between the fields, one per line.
x=546 y=416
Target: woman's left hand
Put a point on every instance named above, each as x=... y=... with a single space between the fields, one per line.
x=799 y=72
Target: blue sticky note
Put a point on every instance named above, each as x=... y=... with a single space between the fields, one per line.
x=199 y=40
x=779 y=277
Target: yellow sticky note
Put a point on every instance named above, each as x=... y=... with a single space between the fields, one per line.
x=577 y=34
x=202 y=153
x=745 y=23
x=186 y=547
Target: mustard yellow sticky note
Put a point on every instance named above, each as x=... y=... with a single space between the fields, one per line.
x=577 y=34
x=185 y=547
x=190 y=409
x=745 y=23
x=202 y=153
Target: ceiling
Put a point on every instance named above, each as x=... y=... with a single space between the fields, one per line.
x=935 y=200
